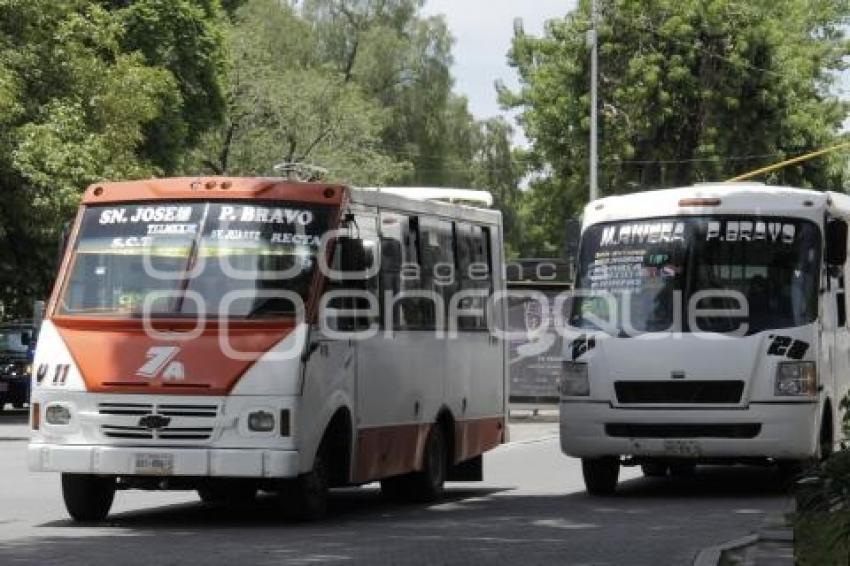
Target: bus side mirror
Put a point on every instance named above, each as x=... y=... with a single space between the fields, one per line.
x=836 y=242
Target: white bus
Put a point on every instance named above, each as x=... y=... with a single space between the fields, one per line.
x=236 y=335
x=710 y=325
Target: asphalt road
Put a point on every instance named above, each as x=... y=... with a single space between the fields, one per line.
x=531 y=509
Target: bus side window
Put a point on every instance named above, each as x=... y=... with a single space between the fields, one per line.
x=401 y=272
x=355 y=253
x=474 y=272
x=436 y=241
x=841 y=303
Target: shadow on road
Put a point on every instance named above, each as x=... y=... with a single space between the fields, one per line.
x=648 y=518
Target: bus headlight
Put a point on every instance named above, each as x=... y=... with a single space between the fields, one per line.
x=261 y=421
x=574 y=382
x=796 y=379
x=57 y=415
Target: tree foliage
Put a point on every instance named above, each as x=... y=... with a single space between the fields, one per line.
x=112 y=89
x=361 y=87
x=80 y=102
x=285 y=105
x=690 y=90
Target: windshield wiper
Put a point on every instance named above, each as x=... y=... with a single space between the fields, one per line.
x=191 y=260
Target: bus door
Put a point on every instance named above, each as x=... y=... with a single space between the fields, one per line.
x=479 y=350
x=331 y=354
x=401 y=369
x=840 y=359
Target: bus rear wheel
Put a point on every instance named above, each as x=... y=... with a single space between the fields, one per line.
x=427 y=484
x=601 y=474
x=88 y=498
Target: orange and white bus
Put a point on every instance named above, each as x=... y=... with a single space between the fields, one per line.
x=237 y=335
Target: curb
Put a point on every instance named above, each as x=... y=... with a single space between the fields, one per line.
x=767 y=546
x=711 y=556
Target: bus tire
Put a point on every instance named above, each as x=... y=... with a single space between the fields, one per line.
x=2 y=402
x=601 y=474
x=427 y=484
x=307 y=495
x=88 y=498
x=654 y=469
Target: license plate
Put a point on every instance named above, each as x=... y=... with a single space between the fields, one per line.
x=154 y=464
x=684 y=448
x=4 y=387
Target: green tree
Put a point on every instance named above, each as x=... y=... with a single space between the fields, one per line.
x=690 y=90
x=285 y=105
x=183 y=36
x=403 y=60
x=498 y=167
x=77 y=105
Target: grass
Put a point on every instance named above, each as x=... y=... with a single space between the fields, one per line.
x=820 y=539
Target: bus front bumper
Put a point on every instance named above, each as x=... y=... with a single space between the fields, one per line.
x=130 y=461
x=761 y=430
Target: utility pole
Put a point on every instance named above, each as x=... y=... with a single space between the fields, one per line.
x=592 y=39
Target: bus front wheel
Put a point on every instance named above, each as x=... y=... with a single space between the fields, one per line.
x=601 y=474
x=88 y=497
x=307 y=496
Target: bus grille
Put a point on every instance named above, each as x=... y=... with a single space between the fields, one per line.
x=679 y=392
x=182 y=422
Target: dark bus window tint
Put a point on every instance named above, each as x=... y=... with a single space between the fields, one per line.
x=439 y=270
x=355 y=252
x=401 y=273
x=474 y=273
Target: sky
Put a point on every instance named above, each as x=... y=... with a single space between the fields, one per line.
x=483 y=30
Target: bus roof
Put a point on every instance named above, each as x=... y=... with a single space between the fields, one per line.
x=396 y=199
x=719 y=198
x=213 y=188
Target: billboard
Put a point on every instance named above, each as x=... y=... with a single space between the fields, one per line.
x=535 y=354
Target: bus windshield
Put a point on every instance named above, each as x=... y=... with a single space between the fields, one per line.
x=234 y=259
x=648 y=272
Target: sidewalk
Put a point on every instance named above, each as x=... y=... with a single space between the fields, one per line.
x=523 y=426
x=771 y=545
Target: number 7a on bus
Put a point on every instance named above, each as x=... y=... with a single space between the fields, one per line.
x=233 y=335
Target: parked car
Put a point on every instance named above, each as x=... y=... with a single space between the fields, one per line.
x=16 y=346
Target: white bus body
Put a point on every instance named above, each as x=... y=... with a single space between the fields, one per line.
x=124 y=401
x=667 y=395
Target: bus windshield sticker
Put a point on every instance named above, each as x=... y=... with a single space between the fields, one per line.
x=748 y=231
